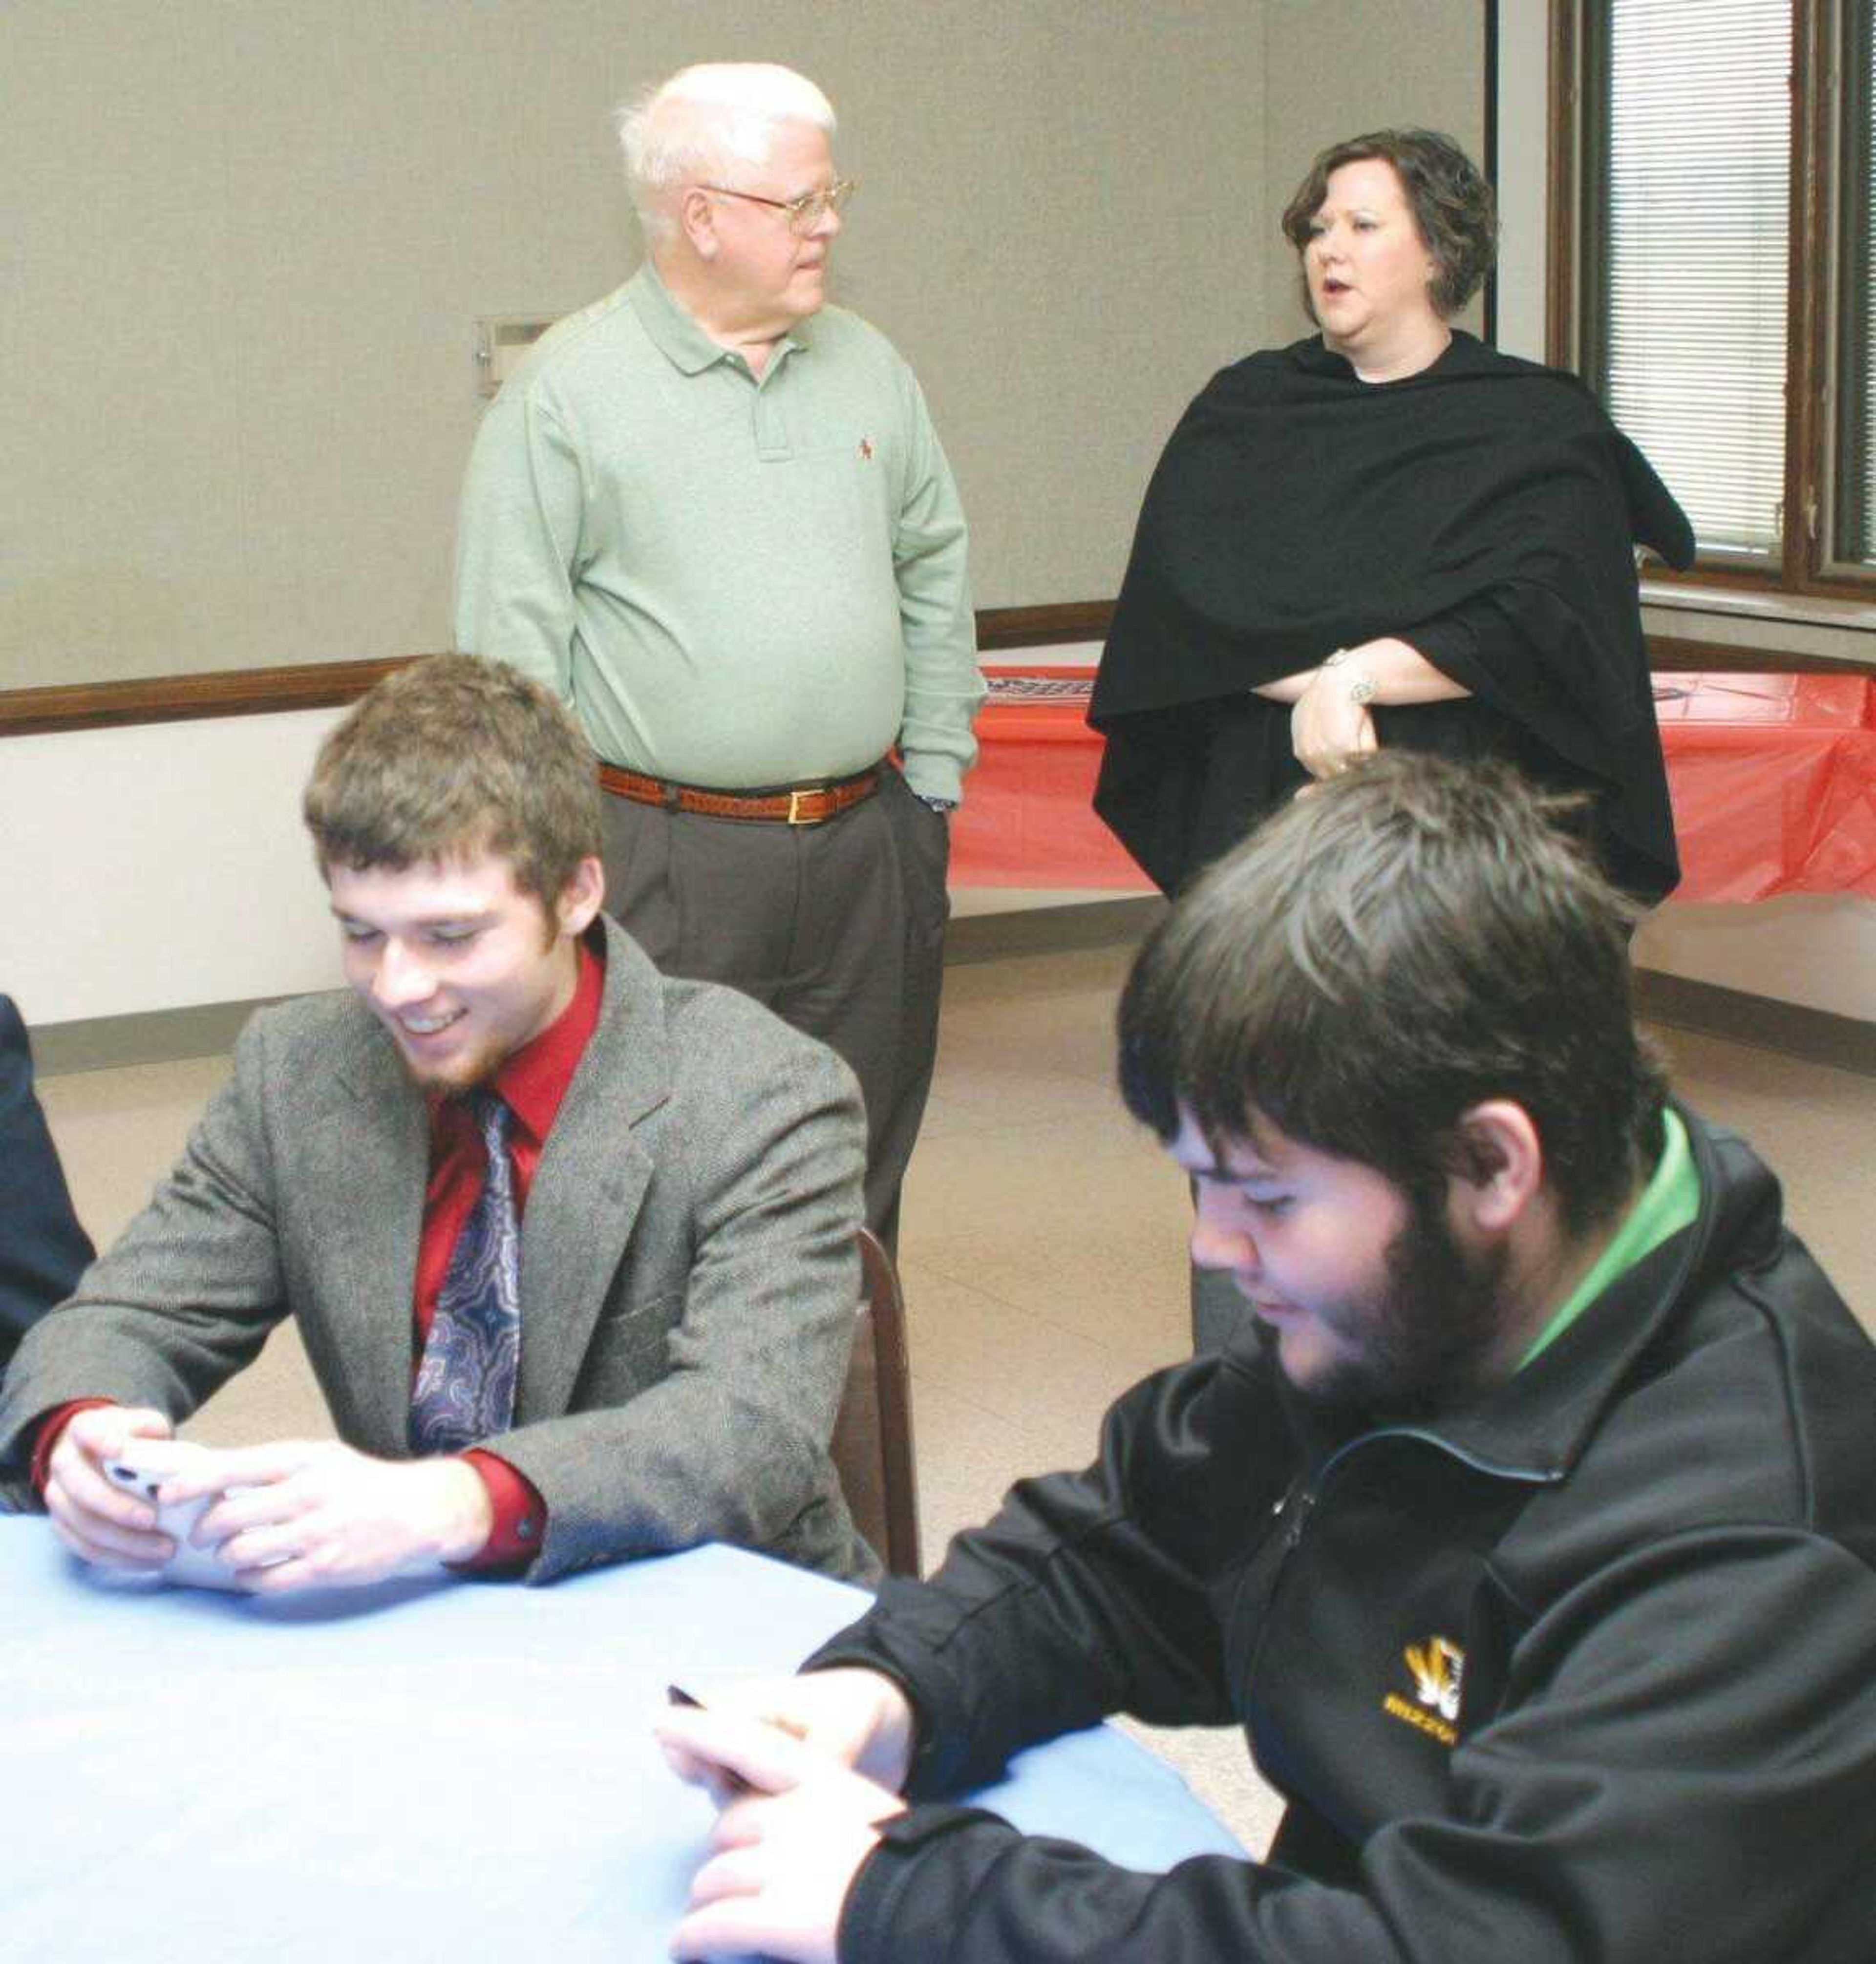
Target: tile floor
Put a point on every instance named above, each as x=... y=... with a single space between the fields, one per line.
x=1043 y=1245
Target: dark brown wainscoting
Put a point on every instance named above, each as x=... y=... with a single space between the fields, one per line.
x=184 y=698
x=1000 y=628
x=31 y=712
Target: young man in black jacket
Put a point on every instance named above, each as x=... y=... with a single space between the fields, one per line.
x=1529 y=1529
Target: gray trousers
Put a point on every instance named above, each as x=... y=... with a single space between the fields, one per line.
x=838 y=928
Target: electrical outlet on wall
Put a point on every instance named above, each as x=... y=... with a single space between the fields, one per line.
x=501 y=339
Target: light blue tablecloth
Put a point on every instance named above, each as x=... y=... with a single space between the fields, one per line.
x=455 y=1771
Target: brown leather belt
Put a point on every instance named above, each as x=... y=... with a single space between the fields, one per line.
x=795 y=804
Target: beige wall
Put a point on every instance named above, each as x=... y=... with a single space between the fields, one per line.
x=248 y=243
x=1335 y=68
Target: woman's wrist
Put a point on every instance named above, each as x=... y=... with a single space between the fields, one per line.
x=1344 y=671
x=1401 y=675
x=1369 y=675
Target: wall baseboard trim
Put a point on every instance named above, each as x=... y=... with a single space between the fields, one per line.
x=152 y=1036
x=1052 y=930
x=1791 y=1029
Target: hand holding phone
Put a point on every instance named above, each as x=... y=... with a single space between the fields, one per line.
x=142 y=1472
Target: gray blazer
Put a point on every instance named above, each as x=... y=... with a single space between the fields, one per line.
x=689 y=1275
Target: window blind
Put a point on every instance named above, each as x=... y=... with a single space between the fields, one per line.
x=1697 y=159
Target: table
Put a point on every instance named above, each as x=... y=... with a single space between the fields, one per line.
x=1773 y=782
x=1773 y=778
x=439 y=1771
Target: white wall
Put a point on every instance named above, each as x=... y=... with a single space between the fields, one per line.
x=159 y=867
x=1817 y=950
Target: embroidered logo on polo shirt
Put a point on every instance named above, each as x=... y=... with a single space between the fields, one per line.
x=1437 y=1668
x=866 y=450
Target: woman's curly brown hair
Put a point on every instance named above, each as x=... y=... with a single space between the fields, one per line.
x=1452 y=204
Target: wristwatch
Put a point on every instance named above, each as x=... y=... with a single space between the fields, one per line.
x=936 y=804
x=1361 y=686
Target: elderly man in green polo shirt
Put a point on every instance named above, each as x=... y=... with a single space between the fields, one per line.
x=710 y=511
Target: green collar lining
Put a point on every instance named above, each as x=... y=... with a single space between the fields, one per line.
x=1669 y=1202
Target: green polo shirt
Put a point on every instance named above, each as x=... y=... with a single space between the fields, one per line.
x=1669 y=1202
x=736 y=581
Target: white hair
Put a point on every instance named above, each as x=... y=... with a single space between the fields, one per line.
x=706 y=118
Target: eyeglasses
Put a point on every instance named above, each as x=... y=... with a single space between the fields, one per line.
x=804 y=213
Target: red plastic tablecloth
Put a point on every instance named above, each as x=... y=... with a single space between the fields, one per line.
x=1773 y=778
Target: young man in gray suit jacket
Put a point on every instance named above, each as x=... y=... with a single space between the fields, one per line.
x=570 y=1245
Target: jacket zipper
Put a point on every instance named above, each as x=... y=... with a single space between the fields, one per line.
x=1300 y=1504
x=1299 y=1515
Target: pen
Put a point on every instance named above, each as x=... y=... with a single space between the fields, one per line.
x=734 y=1781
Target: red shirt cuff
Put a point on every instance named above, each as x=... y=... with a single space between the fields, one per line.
x=520 y=1516
x=50 y=1426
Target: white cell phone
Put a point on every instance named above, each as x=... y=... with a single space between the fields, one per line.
x=198 y=1568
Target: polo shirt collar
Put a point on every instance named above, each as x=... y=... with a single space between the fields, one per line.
x=674 y=330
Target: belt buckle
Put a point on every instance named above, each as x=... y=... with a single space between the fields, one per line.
x=795 y=806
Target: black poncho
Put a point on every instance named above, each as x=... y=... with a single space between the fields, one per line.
x=1483 y=510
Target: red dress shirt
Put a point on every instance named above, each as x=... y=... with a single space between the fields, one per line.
x=532 y=1083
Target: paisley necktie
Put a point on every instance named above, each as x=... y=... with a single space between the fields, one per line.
x=465 y=1387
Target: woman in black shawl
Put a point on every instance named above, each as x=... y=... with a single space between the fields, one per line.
x=1388 y=534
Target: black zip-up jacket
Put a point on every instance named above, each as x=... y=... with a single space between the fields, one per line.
x=1583 y=1675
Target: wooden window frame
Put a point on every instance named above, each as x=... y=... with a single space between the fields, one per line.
x=1821 y=31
